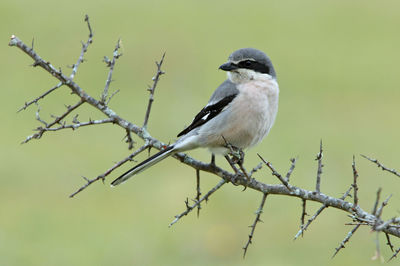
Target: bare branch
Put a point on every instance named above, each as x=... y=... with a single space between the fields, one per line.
x=198 y=192
x=304 y=228
x=27 y=104
x=205 y=197
x=292 y=166
x=385 y=224
x=395 y=254
x=347 y=238
x=253 y=226
x=384 y=168
x=320 y=165
x=355 y=188
x=303 y=215
x=129 y=139
x=78 y=125
x=255 y=169
x=275 y=173
x=112 y=95
x=378 y=195
x=57 y=120
x=110 y=170
x=389 y=243
x=380 y=210
x=152 y=89
x=110 y=64
x=83 y=51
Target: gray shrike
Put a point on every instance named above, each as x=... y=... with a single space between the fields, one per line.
x=240 y=112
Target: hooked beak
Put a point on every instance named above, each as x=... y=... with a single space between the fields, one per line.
x=228 y=66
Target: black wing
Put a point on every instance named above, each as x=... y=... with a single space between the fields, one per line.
x=208 y=113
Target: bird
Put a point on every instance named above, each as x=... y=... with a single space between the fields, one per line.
x=240 y=112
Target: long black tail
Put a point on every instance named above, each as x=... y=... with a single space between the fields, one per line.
x=144 y=165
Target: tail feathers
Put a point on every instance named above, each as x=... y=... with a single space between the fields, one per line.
x=144 y=165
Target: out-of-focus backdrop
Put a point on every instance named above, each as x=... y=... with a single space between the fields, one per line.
x=338 y=68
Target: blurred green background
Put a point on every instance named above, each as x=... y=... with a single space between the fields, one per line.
x=338 y=70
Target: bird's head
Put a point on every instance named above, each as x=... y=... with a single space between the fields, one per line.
x=248 y=64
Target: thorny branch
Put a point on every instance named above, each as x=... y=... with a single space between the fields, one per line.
x=110 y=64
x=390 y=227
x=189 y=208
x=253 y=226
x=355 y=187
x=319 y=171
x=152 y=89
x=347 y=238
x=384 y=168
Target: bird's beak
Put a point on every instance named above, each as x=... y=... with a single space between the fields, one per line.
x=228 y=66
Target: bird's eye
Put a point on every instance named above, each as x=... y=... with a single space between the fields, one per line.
x=247 y=63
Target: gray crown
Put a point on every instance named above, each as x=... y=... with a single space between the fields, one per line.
x=253 y=54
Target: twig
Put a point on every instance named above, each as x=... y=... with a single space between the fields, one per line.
x=27 y=104
x=275 y=173
x=378 y=195
x=57 y=120
x=189 y=208
x=129 y=139
x=380 y=210
x=78 y=125
x=304 y=228
x=111 y=96
x=355 y=188
x=347 y=238
x=395 y=254
x=384 y=168
x=152 y=89
x=320 y=165
x=383 y=225
x=253 y=226
x=389 y=243
x=292 y=166
x=198 y=192
x=303 y=215
x=255 y=169
x=84 y=49
x=110 y=170
x=110 y=64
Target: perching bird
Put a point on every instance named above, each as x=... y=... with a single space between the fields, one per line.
x=240 y=112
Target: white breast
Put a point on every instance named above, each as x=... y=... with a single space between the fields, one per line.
x=248 y=118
